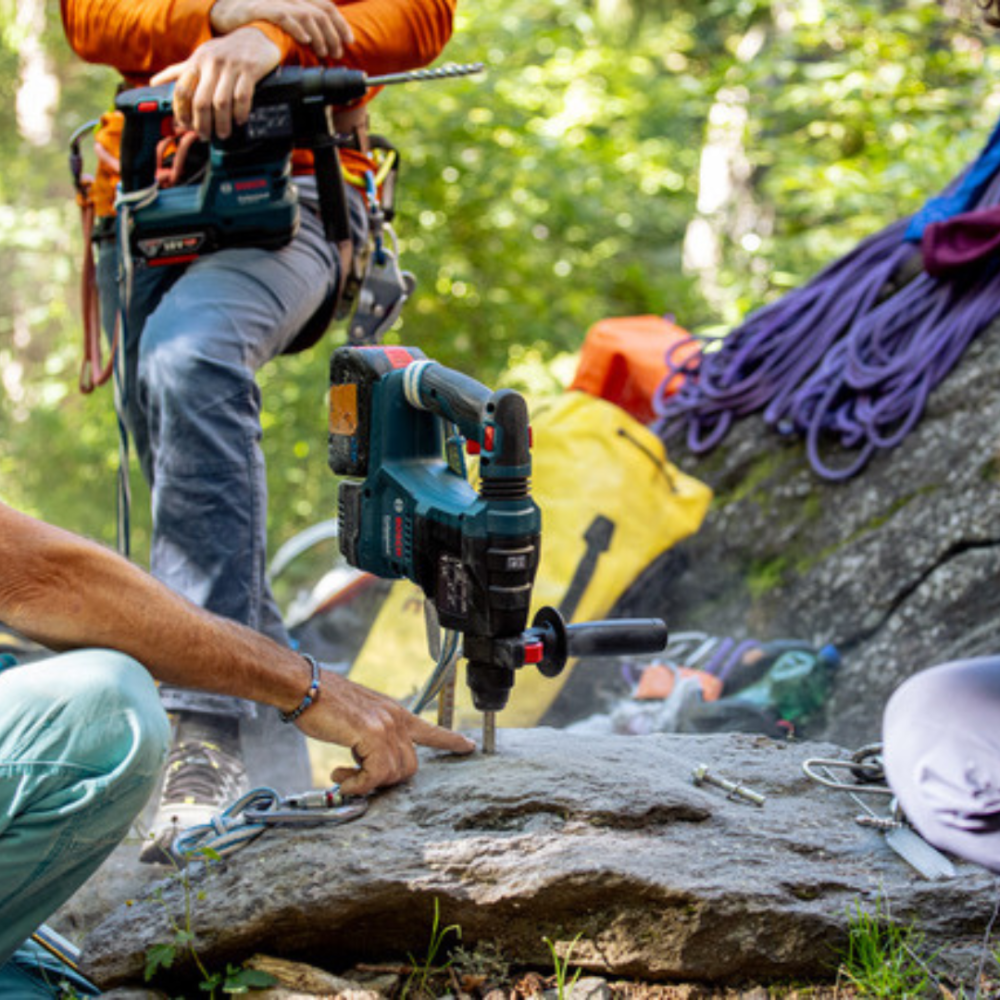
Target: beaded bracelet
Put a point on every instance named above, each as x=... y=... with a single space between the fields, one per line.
x=311 y=695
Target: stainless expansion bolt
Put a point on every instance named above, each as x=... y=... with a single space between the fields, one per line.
x=735 y=789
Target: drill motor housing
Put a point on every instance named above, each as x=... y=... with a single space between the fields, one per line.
x=245 y=196
x=407 y=510
x=413 y=514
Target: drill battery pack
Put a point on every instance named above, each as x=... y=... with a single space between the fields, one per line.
x=256 y=207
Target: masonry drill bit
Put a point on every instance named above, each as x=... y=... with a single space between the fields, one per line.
x=489 y=732
x=446 y=701
x=420 y=75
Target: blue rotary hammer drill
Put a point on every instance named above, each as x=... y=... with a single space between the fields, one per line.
x=242 y=194
x=399 y=428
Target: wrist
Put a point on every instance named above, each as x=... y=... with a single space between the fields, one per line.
x=312 y=692
x=278 y=37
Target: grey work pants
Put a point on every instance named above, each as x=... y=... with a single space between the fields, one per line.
x=196 y=336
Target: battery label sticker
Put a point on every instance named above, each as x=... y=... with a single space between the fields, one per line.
x=171 y=246
x=344 y=409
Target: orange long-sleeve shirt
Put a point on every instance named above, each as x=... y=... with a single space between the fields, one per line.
x=141 y=37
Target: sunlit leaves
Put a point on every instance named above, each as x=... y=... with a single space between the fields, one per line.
x=550 y=192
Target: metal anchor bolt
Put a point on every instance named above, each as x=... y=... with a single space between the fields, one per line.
x=735 y=789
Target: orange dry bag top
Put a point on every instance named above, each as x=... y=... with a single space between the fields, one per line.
x=624 y=361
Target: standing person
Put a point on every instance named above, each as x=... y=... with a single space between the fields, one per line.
x=197 y=334
x=83 y=735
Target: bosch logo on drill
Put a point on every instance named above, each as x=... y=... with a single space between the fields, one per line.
x=398 y=533
x=246 y=192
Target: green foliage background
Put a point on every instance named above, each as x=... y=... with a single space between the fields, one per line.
x=551 y=192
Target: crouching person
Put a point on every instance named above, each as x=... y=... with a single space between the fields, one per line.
x=83 y=736
x=82 y=741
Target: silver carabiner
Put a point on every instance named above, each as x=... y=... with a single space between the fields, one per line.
x=316 y=806
x=874 y=770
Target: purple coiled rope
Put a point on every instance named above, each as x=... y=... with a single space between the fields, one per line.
x=832 y=362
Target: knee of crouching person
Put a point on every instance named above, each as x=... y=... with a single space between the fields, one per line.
x=107 y=685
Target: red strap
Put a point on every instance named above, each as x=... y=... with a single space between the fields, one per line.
x=93 y=371
x=398 y=357
x=171 y=158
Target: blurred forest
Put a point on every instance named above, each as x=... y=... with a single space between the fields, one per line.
x=696 y=158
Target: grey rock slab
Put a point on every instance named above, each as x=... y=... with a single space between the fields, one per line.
x=556 y=835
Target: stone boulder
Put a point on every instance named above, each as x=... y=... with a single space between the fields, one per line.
x=559 y=835
x=897 y=567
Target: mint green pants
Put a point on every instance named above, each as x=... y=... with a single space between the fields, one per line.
x=82 y=741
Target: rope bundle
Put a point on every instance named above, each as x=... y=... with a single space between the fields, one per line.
x=837 y=360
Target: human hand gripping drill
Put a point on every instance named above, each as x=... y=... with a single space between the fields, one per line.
x=243 y=195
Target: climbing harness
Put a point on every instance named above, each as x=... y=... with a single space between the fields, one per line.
x=251 y=814
x=865 y=766
x=852 y=356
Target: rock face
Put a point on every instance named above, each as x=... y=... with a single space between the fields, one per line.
x=562 y=834
x=558 y=835
x=897 y=567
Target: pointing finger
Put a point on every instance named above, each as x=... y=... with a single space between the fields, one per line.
x=427 y=735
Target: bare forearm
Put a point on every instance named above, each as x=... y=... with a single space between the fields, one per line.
x=67 y=593
x=386 y=35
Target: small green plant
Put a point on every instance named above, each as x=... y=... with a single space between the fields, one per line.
x=562 y=966
x=236 y=979
x=883 y=957
x=162 y=954
x=422 y=971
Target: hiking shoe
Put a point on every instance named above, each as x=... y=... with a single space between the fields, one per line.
x=201 y=780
